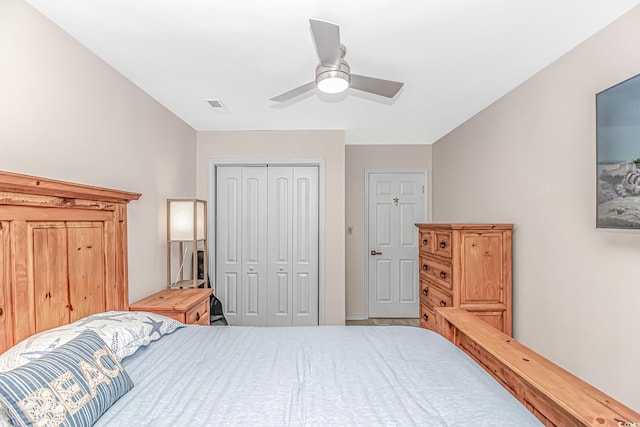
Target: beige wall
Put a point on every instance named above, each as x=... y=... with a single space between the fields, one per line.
x=65 y=114
x=297 y=145
x=530 y=159
x=358 y=159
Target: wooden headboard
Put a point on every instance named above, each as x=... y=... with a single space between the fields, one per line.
x=63 y=253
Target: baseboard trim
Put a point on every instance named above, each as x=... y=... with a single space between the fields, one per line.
x=355 y=316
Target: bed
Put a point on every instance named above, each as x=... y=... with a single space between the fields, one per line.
x=197 y=375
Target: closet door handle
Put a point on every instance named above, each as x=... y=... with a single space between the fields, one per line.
x=376 y=253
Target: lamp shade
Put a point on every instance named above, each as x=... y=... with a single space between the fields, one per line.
x=183 y=223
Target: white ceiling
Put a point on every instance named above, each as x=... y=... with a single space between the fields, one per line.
x=454 y=56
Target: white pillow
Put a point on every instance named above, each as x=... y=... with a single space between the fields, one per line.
x=123 y=331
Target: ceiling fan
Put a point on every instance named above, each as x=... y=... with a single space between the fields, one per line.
x=333 y=74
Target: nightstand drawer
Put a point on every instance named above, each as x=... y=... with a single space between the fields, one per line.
x=199 y=314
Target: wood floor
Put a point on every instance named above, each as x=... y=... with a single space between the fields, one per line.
x=384 y=322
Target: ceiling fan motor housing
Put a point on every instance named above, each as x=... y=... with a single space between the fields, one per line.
x=341 y=71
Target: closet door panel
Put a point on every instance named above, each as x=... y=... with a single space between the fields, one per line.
x=254 y=246
x=279 y=299
x=48 y=274
x=305 y=246
x=86 y=265
x=229 y=241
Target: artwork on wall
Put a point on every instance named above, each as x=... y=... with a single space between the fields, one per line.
x=618 y=155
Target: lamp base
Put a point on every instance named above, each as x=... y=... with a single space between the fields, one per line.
x=189 y=283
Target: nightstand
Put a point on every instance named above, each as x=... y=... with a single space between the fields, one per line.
x=189 y=306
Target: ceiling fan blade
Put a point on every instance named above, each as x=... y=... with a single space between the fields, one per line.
x=327 y=38
x=381 y=87
x=294 y=92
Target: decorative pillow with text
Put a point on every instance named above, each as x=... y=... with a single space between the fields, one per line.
x=72 y=385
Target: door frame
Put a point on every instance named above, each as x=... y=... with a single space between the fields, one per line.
x=212 y=210
x=367 y=173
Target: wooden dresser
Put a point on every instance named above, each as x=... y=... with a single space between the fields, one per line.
x=466 y=266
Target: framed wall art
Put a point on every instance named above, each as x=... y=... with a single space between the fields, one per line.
x=618 y=155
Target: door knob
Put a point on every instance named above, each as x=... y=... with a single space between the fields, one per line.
x=281 y=268
x=251 y=268
x=376 y=253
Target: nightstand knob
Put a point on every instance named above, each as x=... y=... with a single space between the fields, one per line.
x=443 y=303
x=425 y=242
x=425 y=292
x=197 y=316
x=425 y=267
x=425 y=317
x=443 y=275
x=443 y=244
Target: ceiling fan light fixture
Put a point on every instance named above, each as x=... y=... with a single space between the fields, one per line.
x=335 y=84
x=333 y=79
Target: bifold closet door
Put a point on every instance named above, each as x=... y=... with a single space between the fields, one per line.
x=267 y=244
x=292 y=297
x=241 y=242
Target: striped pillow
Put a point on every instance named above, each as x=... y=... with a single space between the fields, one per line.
x=73 y=384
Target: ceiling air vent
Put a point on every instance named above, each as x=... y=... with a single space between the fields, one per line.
x=217 y=106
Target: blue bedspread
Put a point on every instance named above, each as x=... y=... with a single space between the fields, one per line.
x=310 y=376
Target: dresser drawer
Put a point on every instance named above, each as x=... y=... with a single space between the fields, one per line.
x=199 y=314
x=442 y=243
x=439 y=272
x=431 y=296
x=427 y=318
x=426 y=241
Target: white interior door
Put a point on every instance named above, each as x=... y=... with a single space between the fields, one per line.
x=396 y=201
x=267 y=244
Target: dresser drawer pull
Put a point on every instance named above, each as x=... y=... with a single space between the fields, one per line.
x=443 y=275
x=425 y=242
x=443 y=303
x=425 y=317
x=443 y=244
x=425 y=267
x=425 y=292
x=197 y=316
